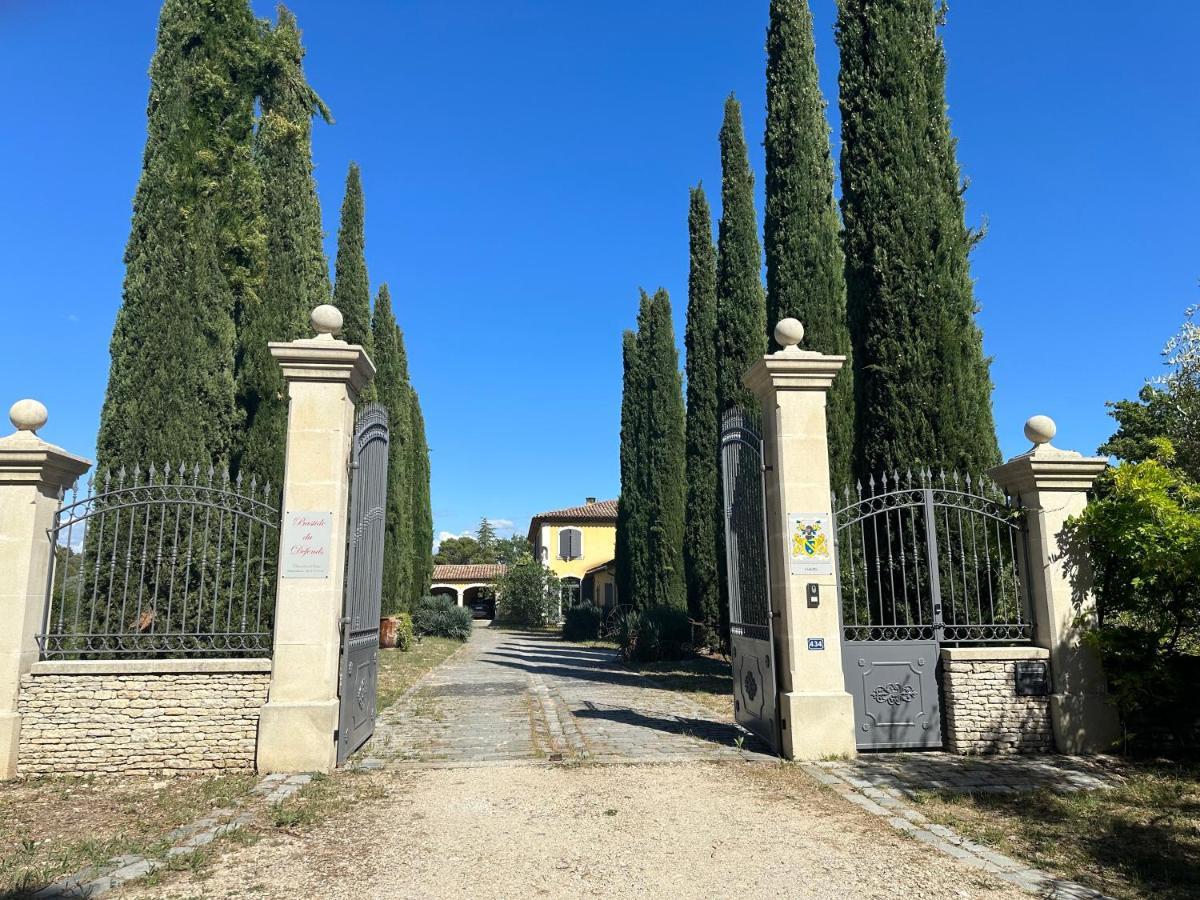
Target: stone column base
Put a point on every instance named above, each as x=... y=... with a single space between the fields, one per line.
x=10 y=742
x=1084 y=723
x=818 y=725
x=297 y=737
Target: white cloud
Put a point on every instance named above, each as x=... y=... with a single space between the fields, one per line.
x=503 y=524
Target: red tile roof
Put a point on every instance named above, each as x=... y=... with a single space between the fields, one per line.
x=488 y=572
x=605 y=509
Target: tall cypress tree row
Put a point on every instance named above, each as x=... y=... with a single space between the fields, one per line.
x=741 y=304
x=297 y=273
x=805 y=264
x=922 y=387
x=664 y=449
x=422 y=505
x=631 y=508
x=391 y=386
x=195 y=251
x=352 y=288
x=700 y=544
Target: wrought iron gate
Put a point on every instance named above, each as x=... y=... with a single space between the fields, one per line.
x=165 y=562
x=923 y=561
x=755 y=690
x=364 y=580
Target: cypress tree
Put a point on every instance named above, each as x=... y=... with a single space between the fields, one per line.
x=297 y=274
x=631 y=512
x=922 y=386
x=391 y=386
x=422 y=506
x=352 y=288
x=741 y=304
x=805 y=265
x=664 y=455
x=700 y=546
x=195 y=250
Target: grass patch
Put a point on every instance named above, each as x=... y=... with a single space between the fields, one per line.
x=400 y=669
x=1138 y=840
x=707 y=679
x=322 y=798
x=51 y=827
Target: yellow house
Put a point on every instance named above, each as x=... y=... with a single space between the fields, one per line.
x=579 y=545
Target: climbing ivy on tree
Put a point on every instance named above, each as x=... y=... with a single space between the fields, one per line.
x=194 y=260
x=741 y=304
x=922 y=386
x=805 y=265
x=703 y=504
x=296 y=273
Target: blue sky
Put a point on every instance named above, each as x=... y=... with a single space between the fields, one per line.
x=526 y=167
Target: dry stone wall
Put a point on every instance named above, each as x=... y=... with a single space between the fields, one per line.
x=150 y=723
x=984 y=713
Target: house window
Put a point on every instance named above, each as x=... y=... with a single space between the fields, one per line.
x=570 y=592
x=570 y=543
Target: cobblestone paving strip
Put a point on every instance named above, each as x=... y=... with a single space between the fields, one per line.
x=95 y=881
x=510 y=698
x=883 y=785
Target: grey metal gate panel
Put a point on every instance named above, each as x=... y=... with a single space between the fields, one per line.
x=924 y=560
x=897 y=702
x=364 y=580
x=755 y=686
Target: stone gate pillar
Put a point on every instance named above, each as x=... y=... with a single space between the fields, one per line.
x=1052 y=484
x=324 y=377
x=33 y=477
x=816 y=713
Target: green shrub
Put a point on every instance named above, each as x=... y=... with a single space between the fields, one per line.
x=649 y=635
x=582 y=623
x=404 y=631
x=528 y=594
x=1138 y=549
x=441 y=617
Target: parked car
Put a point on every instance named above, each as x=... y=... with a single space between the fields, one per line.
x=482 y=607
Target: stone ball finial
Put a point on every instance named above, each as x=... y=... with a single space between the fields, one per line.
x=28 y=415
x=1040 y=429
x=789 y=333
x=326 y=319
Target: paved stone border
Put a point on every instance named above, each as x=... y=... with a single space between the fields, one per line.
x=887 y=798
x=95 y=881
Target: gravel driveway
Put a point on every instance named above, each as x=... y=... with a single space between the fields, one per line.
x=676 y=830
x=527 y=767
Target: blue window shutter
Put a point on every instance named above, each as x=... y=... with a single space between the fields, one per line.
x=576 y=543
x=564 y=544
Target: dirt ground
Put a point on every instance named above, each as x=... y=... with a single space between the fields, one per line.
x=678 y=830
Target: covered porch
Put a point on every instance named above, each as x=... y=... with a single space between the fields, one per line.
x=472 y=586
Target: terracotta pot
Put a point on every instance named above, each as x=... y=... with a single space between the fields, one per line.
x=387 y=632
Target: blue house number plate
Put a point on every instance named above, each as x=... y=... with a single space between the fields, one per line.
x=816 y=643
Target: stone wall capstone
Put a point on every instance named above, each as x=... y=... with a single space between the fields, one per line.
x=148 y=723
x=983 y=712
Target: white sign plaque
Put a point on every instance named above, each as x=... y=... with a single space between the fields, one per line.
x=305 y=544
x=810 y=543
